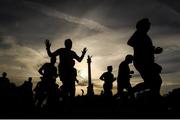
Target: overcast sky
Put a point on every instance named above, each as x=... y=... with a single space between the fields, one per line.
x=103 y=26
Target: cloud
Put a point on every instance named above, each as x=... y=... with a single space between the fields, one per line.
x=60 y=15
x=17 y=60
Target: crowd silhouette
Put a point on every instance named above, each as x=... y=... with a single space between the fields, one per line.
x=49 y=97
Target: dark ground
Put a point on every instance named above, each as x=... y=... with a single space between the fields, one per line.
x=143 y=106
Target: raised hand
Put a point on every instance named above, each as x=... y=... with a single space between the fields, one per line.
x=84 y=50
x=47 y=43
x=158 y=50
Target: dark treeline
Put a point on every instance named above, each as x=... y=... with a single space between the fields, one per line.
x=49 y=100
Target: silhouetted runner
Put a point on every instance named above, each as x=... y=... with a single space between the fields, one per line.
x=47 y=85
x=124 y=75
x=49 y=71
x=108 y=79
x=144 y=53
x=66 y=56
